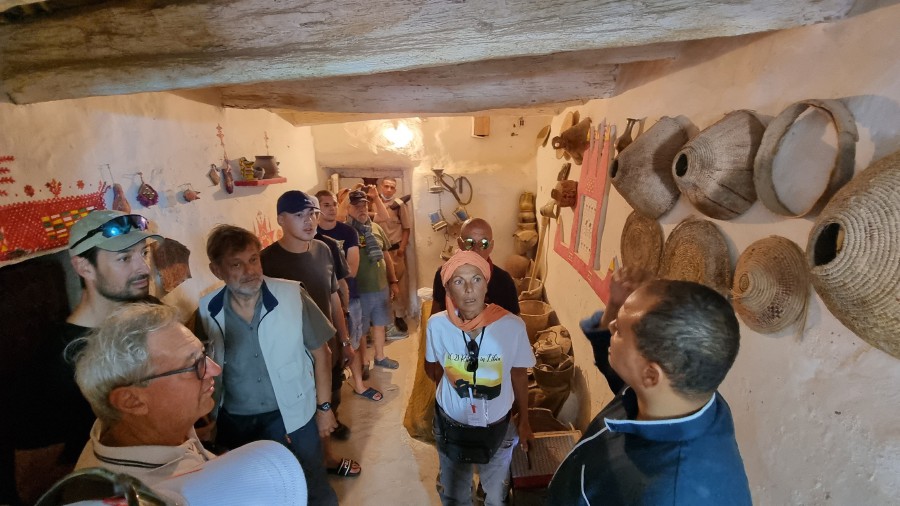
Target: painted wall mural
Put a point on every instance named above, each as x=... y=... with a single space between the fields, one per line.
x=582 y=250
x=30 y=226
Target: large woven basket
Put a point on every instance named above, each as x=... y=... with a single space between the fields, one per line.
x=771 y=285
x=714 y=170
x=854 y=255
x=642 y=173
x=642 y=243
x=696 y=251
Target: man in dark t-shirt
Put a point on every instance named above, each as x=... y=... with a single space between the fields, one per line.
x=298 y=256
x=109 y=251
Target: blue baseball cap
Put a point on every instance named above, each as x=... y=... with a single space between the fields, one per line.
x=296 y=201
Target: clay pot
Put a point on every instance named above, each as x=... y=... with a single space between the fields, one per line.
x=268 y=165
x=517 y=266
x=714 y=170
x=626 y=139
x=527 y=217
x=565 y=192
x=524 y=242
x=190 y=195
x=526 y=201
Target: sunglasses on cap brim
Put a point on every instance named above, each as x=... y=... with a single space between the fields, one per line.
x=116 y=227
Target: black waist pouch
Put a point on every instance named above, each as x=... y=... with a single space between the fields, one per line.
x=467 y=443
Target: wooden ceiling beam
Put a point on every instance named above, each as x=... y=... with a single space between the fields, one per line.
x=131 y=46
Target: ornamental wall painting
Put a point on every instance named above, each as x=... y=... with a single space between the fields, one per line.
x=582 y=250
x=29 y=226
x=266 y=233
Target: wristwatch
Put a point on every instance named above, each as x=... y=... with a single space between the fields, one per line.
x=325 y=406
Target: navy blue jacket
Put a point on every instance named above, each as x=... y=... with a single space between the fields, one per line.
x=692 y=460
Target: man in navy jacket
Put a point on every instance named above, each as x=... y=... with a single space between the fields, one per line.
x=667 y=437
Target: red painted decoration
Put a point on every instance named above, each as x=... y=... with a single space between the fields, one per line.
x=29 y=227
x=583 y=248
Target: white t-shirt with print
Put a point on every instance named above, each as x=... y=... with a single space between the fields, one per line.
x=503 y=346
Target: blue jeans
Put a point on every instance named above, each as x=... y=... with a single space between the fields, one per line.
x=304 y=443
x=455 y=478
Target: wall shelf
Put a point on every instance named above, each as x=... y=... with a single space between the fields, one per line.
x=262 y=182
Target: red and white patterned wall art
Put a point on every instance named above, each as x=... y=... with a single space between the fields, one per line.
x=582 y=250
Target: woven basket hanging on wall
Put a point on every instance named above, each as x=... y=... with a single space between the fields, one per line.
x=642 y=243
x=642 y=172
x=854 y=255
x=771 y=285
x=714 y=170
x=696 y=251
x=844 y=162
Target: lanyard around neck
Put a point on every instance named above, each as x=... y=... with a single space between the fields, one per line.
x=466 y=340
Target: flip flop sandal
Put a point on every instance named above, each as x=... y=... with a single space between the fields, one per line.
x=345 y=469
x=370 y=394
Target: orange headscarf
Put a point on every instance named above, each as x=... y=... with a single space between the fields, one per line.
x=491 y=312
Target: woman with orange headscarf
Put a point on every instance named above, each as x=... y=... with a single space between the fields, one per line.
x=477 y=354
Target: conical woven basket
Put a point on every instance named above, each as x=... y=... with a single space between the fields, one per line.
x=642 y=243
x=642 y=173
x=771 y=285
x=696 y=251
x=714 y=170
x=854 y=255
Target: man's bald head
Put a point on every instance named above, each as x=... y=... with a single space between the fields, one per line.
x=476 y=235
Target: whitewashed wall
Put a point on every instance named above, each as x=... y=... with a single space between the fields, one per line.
x=500 y=167
x=816 y=417
x=171 y=140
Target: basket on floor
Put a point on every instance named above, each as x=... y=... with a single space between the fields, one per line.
x=536 y=314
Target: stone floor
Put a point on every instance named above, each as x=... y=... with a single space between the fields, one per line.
x=396 y=469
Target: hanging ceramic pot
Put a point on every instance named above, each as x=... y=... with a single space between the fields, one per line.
x=189 y=194
x=120 y=203
x=626 y=137
x=213 y=174
x=229 y=179
x=147 y=196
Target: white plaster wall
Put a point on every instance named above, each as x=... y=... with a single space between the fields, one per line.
x=500 y=167
x=816 y=417
x=170 y=139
